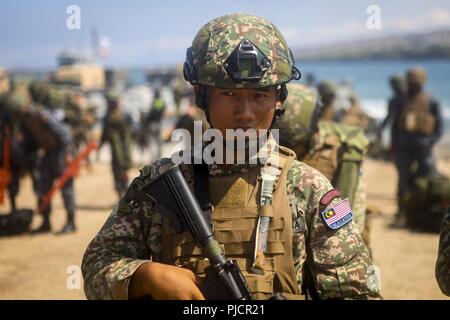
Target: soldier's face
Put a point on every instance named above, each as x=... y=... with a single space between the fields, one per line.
x=414 y=88
x=242 y=108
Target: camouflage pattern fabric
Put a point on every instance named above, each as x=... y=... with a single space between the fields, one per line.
x=443 y=261
x=217 y=40
x=359 y=204
x=116 y=131
x=337 y=259
x=300 y=131
x=296 y=123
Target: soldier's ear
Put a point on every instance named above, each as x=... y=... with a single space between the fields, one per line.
x=196 y=90
x=278 y=105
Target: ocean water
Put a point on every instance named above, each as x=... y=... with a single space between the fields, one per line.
x=370 y=80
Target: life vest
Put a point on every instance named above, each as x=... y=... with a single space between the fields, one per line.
x=416 y=115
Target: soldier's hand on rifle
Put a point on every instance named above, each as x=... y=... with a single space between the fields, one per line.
x=165 y=282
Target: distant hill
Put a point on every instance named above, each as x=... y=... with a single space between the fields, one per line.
x=428 y=45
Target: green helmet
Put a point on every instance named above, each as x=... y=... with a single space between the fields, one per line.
x=397 y=81
x=297 y=122
x=17 y=103
x=57 y=97
x=239 y=51
x=40 y=92
x=326 y=88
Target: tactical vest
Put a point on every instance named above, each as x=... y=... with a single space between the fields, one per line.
x=41 y=132
x=416 y=115
x=355 y=116
x=328 y=113
x=234 y=219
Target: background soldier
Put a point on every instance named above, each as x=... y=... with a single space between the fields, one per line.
x=54 y=140
x=153 y=124
x=355 y=115
x=397 y=83
x=421 y=125
x=23 y=147
x=117 y=132
x=327 y=91
x=304 y=252
x=336 y=150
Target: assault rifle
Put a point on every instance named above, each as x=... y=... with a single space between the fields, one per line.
x=171 y=195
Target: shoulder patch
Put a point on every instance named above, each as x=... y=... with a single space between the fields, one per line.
x=338 y=215
x=329 y=196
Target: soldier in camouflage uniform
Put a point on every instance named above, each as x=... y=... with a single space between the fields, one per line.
x=355 y=115
x=327 y=91
x=54 y=140
x=336 y=150
x=117 y=132
x=137 y=253
x=23 y=147
x=420 y=127
x=398 y=87
x=443 y=260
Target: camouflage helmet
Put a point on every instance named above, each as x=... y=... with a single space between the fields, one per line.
x=57 y=97
x=239 y=51
x=17 y=103
x=40 y=91
x=326 y=88
x=416 y=75
x=397 y=82
x=112 y=95
x=297 y=122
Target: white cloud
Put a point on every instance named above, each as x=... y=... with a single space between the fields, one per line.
x=430 y=20
x=433 y=19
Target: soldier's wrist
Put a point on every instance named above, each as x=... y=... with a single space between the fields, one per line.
x=141 y=281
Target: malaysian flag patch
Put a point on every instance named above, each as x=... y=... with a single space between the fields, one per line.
x=338 y=216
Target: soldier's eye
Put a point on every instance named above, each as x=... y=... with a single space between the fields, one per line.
x=261 y=96
x=227 y=93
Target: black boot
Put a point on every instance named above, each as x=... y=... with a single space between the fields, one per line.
x=44 y=228
x=12 y=200
x=69 y=227
x=400 y=218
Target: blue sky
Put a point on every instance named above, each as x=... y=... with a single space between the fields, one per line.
x=145 y=33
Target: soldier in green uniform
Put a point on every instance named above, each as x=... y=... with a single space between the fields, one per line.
x=327 y=92
x=443 y=260
x=420 y=125
x=336 y=150
x=392 y=119
x=54 y=141
x=239 y=65
x=117 y=132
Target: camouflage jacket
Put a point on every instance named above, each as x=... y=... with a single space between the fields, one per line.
x=338 y=260
x=443 y=261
